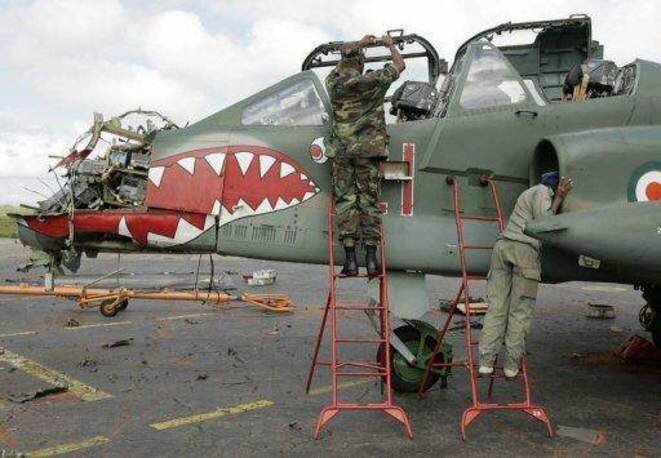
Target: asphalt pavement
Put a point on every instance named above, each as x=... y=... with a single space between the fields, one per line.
x=200 y=380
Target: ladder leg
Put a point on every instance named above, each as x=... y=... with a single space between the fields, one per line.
x=320 y=337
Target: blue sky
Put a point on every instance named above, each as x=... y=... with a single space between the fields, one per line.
x=60 y=60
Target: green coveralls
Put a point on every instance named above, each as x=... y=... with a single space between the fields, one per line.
x=513 y=281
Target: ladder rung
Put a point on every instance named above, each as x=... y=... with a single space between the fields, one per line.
x=357 y=276
x=479 y=218
x=478 y=247
x=355 y=340
x=358 y=307
x=362 y=364
x=360 y=374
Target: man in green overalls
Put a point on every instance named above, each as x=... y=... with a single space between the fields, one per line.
x=515 y=274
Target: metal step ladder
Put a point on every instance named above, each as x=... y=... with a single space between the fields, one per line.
x=345 y=368
x=478 y=406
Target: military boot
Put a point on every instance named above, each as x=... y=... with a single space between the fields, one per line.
x=371 y=262
x=350 y=268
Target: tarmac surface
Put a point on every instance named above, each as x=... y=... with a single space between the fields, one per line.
x=198 y=380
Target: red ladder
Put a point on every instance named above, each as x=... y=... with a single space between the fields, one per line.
x=478 y=407
x=347 y=368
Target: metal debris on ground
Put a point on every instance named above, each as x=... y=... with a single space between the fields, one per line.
x=25 y=397
x=590 y=436
x=640 y=350
x=261 y=277
x=271 y=302
x=600 y=311
x=72 y=323
x=118 y=343
x=478 y=306
x=616 y=329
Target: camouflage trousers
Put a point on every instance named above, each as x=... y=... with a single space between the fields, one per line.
x=512 y=291
x=356 y=192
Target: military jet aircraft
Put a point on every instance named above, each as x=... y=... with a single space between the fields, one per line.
x=253 y=179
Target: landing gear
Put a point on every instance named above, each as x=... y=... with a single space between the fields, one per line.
x=650 y=314
x=111 y=307
x=407 y=377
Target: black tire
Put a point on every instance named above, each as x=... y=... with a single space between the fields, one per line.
x=108 y=308
x=409 y=381
x=122 y=305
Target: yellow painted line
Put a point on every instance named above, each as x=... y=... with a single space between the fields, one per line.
x=75 y=387
x=16 y=334
x=98 y=325
x=68 y=448
x=183 y=317
x=329 y=388
x=218 y=413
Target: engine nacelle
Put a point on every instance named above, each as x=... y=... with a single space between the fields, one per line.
x=608 y=166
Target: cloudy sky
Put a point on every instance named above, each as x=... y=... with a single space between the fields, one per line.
x=60 y=60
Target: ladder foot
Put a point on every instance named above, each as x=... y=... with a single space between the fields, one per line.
x=539 y=413
x=400 y=415
x=326 y=415
x=467 y=418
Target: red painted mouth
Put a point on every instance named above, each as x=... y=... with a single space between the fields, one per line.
x=186 y=191
x=232 y=182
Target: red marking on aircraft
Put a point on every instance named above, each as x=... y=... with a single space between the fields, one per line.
x=653 y=191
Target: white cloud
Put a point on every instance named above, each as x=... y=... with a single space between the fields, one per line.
x=63 y=59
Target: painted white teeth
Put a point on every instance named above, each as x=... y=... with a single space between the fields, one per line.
x=188 y=164
x=244 y=159
x=264 y=207
x=317 y=189
x=307 y=195
x=280 y=204
x=294 y=201
x=304 y=177
x=156 y=174
x=216 y=161
x=286 y=169
x=123 y=229
x=311 y=183
x=265 y=163
x=216 y=208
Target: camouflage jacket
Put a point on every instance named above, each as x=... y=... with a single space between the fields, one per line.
x=359 y=128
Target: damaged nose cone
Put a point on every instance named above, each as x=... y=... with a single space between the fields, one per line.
x=33 y=238
x=629 y=233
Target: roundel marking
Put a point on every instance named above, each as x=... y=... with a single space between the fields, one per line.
x=645 y=184
x=318 y=151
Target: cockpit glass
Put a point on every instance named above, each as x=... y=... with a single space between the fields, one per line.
x=490 y=81
x=295 y=105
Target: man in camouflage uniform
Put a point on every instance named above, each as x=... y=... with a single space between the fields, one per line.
x=358 y=142
x=514 y=276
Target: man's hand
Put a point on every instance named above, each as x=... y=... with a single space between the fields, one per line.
x=565 y=186
x=367 y=40
x=397 y=60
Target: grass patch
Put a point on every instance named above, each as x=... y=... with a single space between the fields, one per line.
x=7 y=225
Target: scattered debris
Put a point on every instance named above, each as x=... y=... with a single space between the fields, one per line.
x=640 y=350
x=233 y=354
x=270 y=302
x=616 y=329
x=118 y=343
x=478 y=305
x=260 y=277
x=191 y=321
x=460 y=325
x=600 y=311
x=201 y=377
x=90 y=364
x=72 y=323
x=25 y=397
x=576 y=356
x=590 y=436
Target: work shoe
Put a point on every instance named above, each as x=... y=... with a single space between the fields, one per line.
x=371 y=262
x=350 y=268
x=511 y=373
x=485 y=370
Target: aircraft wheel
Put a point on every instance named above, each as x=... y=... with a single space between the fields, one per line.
x=122 y=305
x=109 y=308
x=404 y=377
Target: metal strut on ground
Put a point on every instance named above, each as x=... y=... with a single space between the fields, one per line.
x=344 y=368
x=477 y=406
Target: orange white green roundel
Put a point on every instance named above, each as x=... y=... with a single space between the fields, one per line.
x=318 y=151
x=645 y=184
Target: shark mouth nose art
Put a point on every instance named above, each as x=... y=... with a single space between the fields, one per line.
x=187 y=191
